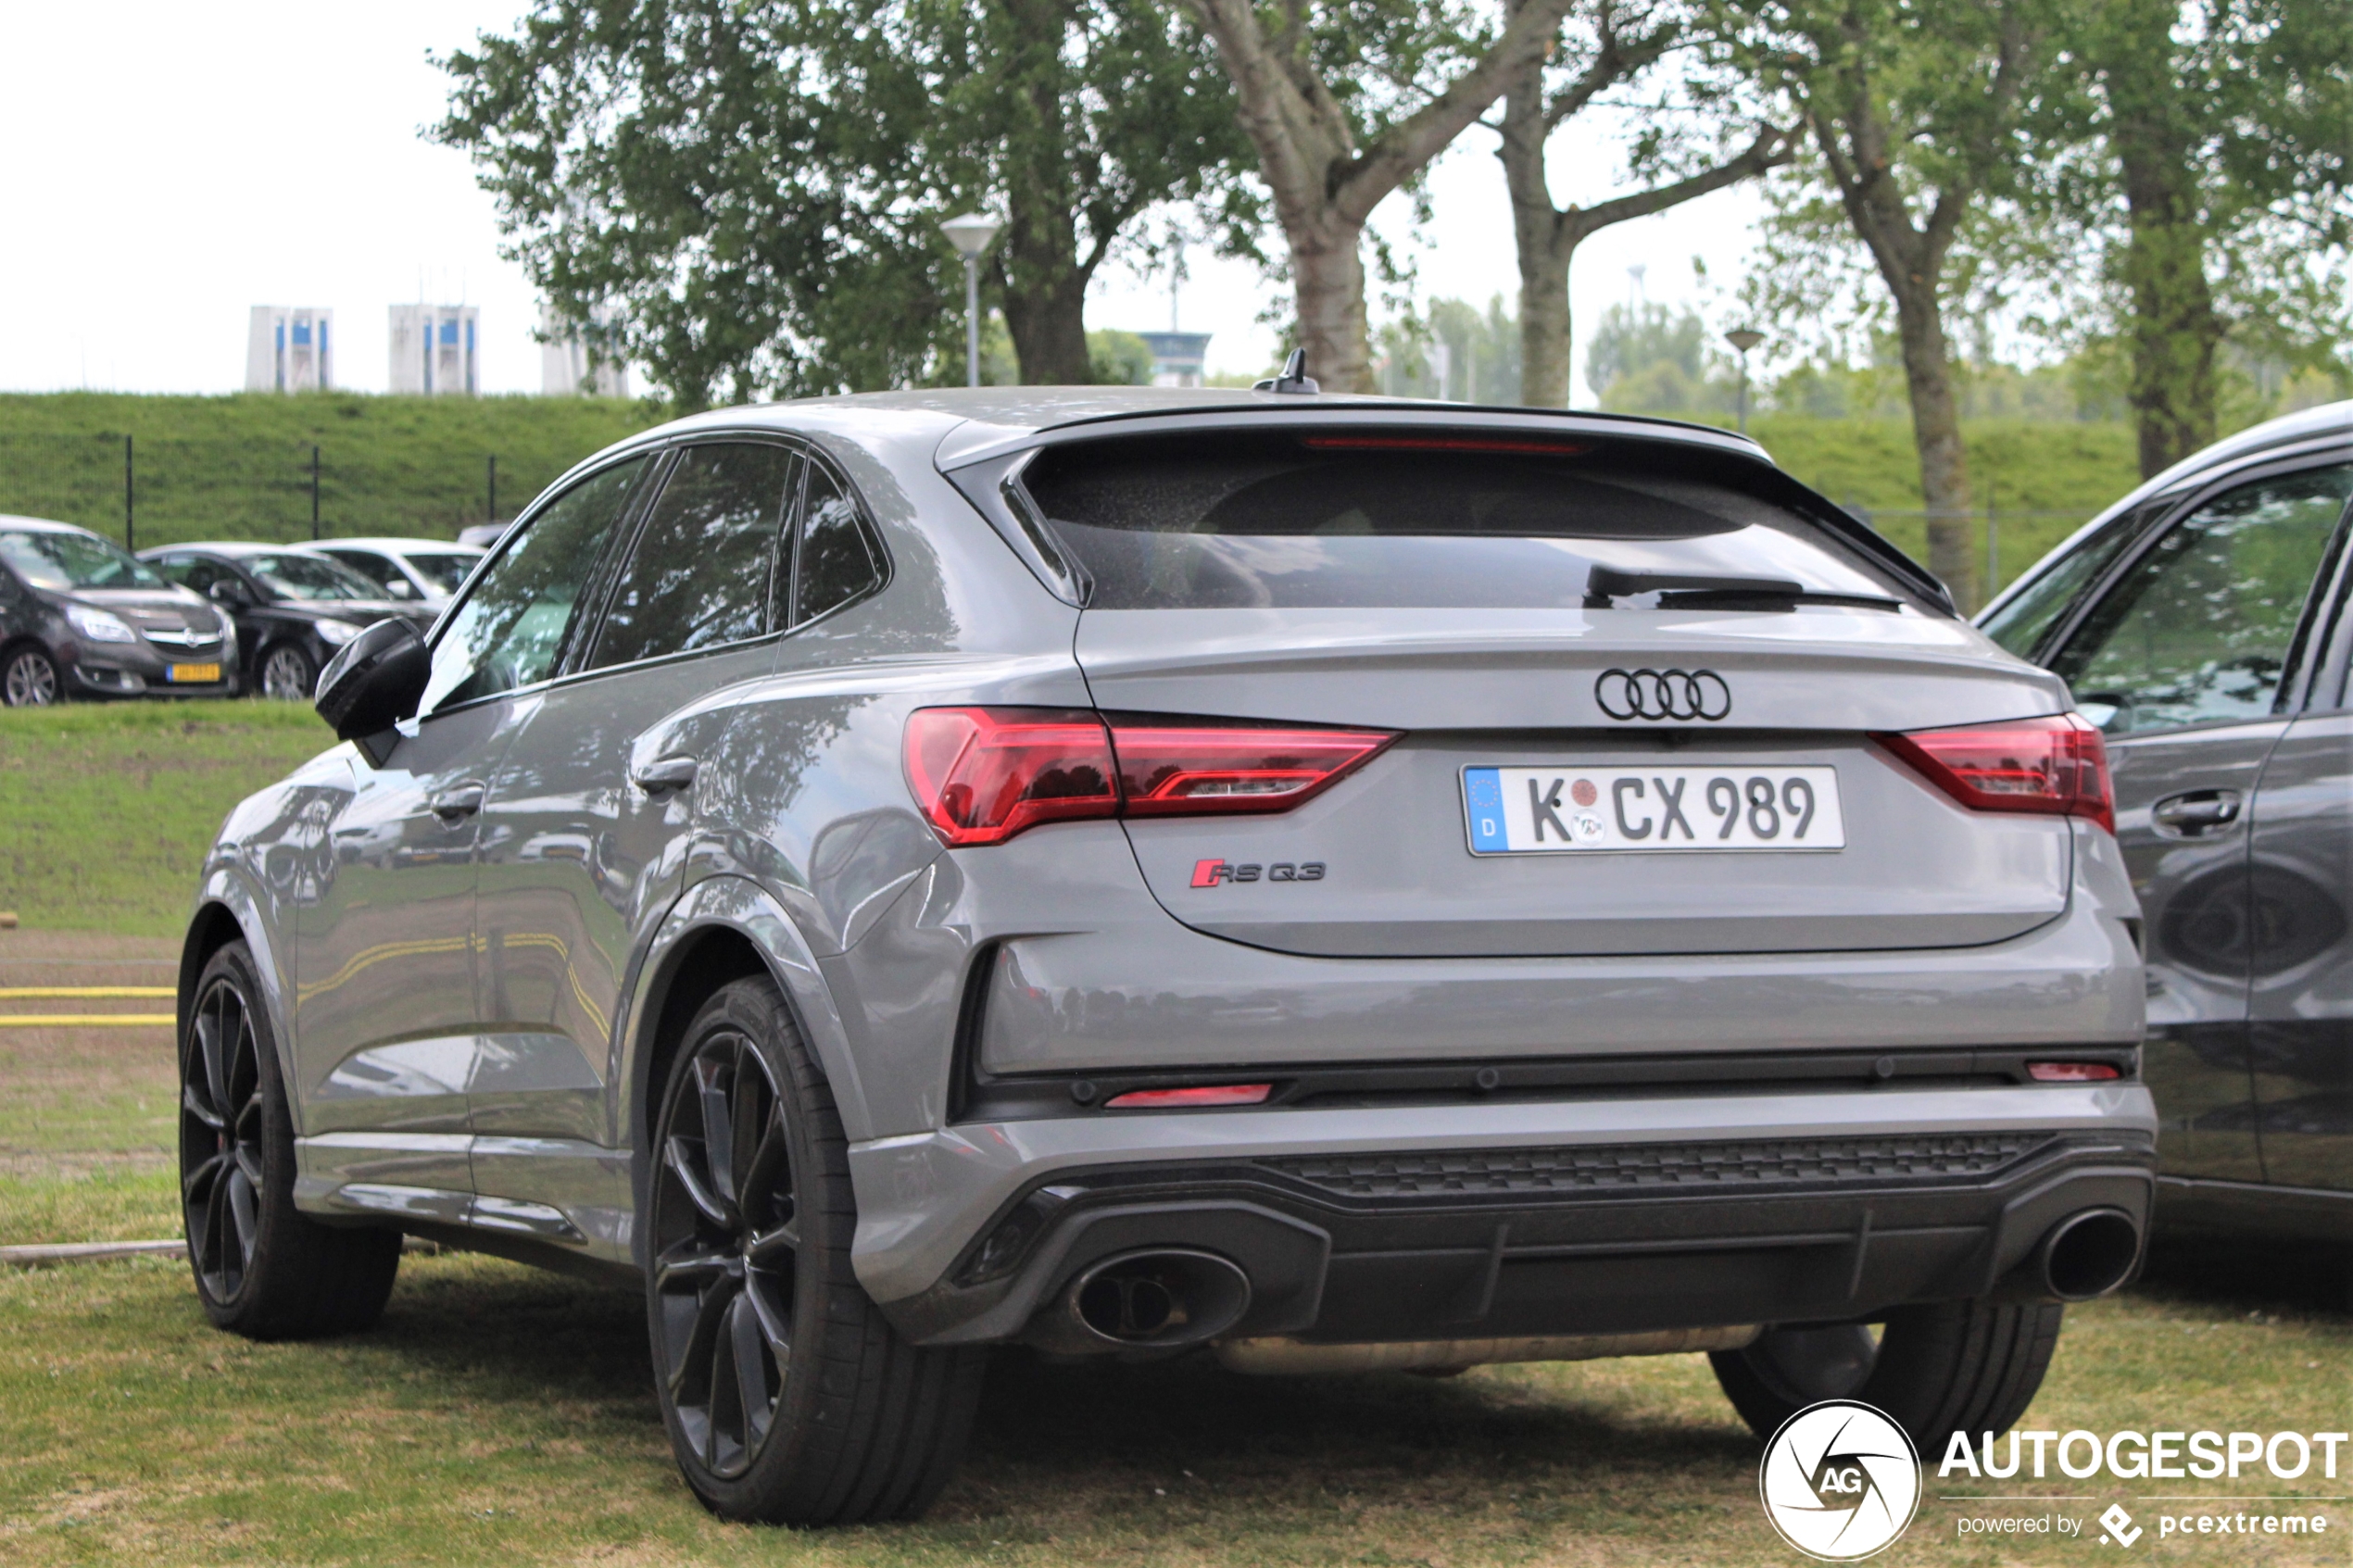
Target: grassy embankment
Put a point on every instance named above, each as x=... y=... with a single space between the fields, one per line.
x=238 y=465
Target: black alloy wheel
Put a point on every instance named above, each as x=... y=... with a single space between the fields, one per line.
x=790 y=1397
x=220 y=1140
x=288 y=675
x=263 y=1268
x=29 y=679
x=728 y=1253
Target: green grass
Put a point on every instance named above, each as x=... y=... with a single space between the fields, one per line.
x=239 y=466
x=110 y=808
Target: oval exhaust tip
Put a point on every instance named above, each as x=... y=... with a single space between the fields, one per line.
x=2088 y=1255
x=1158 y=1300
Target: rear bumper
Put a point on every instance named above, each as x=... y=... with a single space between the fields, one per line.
x=1441 y=1221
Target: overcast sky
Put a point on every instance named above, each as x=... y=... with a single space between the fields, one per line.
x=171 y=166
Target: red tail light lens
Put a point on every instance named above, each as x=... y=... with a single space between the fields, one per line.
x=1199 y=1094
x=983 y=775
x=1189 y=773
x=2056 y=766
x=2072 y=1071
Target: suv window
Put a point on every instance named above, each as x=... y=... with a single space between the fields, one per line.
x=2203 y=626
x=72 y=561
x=1364 y=520
x=512 y=628
x=836 y=560
x=698 y=575
x=2021 y=625
x=374 y=568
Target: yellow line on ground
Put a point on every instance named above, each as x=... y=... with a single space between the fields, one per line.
x=80 y=1019
x=56 y=991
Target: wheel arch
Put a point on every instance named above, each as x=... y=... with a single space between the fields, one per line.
x=227 y=911
x=720 y=930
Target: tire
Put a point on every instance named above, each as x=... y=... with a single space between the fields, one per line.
x=29 y=678
x=1953 y=1366
x=286 y=673
x=263 y=1269
x=790 y=1397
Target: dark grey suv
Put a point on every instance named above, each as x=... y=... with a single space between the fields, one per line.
x=1331 y=883
x=2202 y=621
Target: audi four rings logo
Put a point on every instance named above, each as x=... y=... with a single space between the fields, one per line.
x=1662 y=694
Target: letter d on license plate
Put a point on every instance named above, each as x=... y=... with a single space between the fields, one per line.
x=1566 y=810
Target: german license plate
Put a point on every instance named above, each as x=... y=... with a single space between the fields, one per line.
x=1570 y=810
x=198 y=672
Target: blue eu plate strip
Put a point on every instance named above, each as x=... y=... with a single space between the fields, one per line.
x=1484 y=794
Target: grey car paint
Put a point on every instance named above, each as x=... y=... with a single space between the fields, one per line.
x=2251 y=1029
x=470 y=994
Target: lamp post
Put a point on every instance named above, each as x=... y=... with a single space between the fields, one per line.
x=971 y=235
x=1744 y=339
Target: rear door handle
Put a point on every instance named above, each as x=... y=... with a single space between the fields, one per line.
x=457 y=801
x=664 y=773
x=2199 y=812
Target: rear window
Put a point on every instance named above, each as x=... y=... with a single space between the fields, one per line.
x=1349 y=520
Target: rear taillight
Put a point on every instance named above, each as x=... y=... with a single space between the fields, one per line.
x=2073 y=1071
x=983 y=775
x=2055 y=766
x=1195 y=1095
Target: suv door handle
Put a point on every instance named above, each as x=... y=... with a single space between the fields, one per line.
x=2197 y=812
x=457 y=801
x=664 y=773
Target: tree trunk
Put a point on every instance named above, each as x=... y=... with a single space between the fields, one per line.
x=1327 y=279
x=1936 y=434
x=1545 y=364
x=1047 y=323
x=2172 y=331
x=1042 y=285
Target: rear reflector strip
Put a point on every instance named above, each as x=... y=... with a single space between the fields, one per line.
x=2072 y=1071
x=983 y=775
x=2052 y=766
x=1199 y=1095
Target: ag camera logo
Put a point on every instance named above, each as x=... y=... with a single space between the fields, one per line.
x=1841 y=1481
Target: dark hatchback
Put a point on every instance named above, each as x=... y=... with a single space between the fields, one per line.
x=2203 y=623
x=293 y=609
x=79 y=617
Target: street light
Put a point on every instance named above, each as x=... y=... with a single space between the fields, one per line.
x=971 y=235
x=1744 y=339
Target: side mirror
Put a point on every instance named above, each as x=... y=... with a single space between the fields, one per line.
x=375 y=681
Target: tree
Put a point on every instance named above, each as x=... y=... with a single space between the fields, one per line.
x=2214 y=142
x=1917 y=109
x=749 y=191
x=1330 y=150
x=1609 y=45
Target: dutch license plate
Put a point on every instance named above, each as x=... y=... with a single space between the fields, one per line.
x=1566 y=810
x=200 y=673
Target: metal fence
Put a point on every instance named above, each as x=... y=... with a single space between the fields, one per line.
x=155 y=490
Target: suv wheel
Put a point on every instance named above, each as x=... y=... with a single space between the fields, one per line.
x=263 y=1268
x=1953 y=1366
x=286 y=674
x=790 y=1397
x=30 y=679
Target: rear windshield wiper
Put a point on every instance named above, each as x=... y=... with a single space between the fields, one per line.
x=1682 y=590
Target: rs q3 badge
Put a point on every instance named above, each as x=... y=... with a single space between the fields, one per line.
x=1210 y=873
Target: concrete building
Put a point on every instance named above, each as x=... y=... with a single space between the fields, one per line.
x=290 y=348
x=567 y=368
x=1176 y=357
x=436 y=350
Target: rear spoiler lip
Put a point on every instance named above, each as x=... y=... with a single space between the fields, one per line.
x=1775 y=483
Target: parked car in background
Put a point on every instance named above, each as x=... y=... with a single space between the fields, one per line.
x=2201 y=620
x=81 y=617
x=419 y=572
x=481 y=535
x=1342 y=883
x=292 y=609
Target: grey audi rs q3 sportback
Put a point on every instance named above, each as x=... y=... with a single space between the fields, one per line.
x=1339 y=882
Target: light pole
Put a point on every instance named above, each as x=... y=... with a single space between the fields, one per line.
x=971 y=235
x=1744 y=339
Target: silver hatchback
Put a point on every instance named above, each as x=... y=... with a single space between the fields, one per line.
x=1329 y=882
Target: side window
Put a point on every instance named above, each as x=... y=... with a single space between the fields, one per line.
x=2203 y=627
x=2021 y=625
x=513 y=626
x=374 y=568
x=838 y=559
x=189 y=573
x=700 y=572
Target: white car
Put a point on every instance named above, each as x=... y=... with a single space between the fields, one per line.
x=424 y=571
